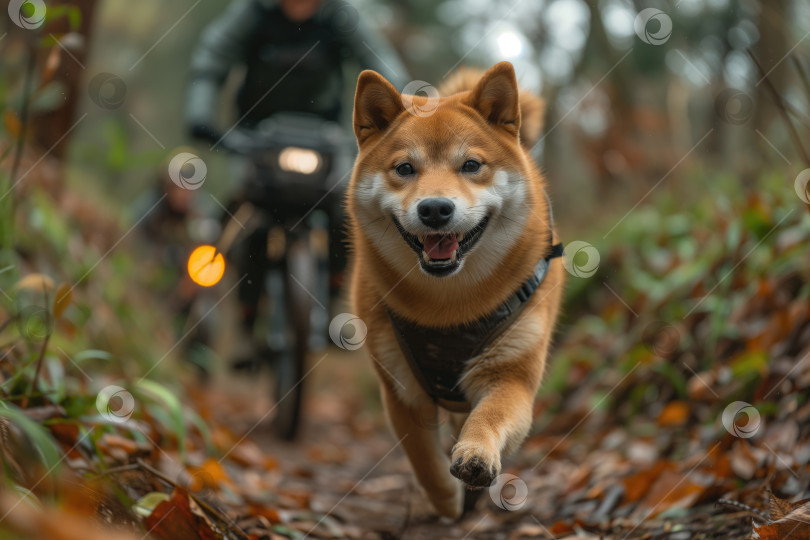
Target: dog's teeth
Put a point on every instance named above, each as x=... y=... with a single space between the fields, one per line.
x=453 y=257
x=459 y=237
x=425 y=256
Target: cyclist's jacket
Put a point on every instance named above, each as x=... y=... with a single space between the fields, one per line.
x=288 y=66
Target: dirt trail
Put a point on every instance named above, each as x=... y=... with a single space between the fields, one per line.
x=347 y=461
x=351 y=480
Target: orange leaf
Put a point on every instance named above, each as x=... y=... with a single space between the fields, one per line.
x=637 y=485
x=561 y=527
x=672 y=490
x=35 y=282
x=270 y=513
x=675 y=413
x=62 y=300
x=209 y=476
x=12 y=123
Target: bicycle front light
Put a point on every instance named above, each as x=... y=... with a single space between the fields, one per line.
x=206 y=266
x=299 y=160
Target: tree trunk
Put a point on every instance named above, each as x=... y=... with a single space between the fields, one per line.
x=48 y=128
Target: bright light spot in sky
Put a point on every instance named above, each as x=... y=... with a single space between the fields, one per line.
x=618 y=19
x=568 y=23
x=510 y=45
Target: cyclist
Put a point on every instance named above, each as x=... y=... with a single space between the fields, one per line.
x=294 y=53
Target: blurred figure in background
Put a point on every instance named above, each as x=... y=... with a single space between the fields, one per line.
x=295 y=54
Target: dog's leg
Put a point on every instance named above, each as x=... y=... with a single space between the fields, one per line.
x=418 y=431
x=497 y=425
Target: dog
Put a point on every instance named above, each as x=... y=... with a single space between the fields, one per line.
x=454 y=269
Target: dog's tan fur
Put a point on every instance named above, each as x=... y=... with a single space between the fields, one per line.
x=482 y=116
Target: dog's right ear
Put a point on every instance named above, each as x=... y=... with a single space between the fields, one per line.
x=376 y=104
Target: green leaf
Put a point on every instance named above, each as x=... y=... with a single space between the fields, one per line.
x=92 y=354
x=157 y=392
x=28 y=496
x=46 y=447
x=147 y=504
x=749 y=364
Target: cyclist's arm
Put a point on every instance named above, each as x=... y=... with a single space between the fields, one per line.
x=373 y=51
x=222 y=45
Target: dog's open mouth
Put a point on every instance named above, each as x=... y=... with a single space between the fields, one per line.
x=440 y=254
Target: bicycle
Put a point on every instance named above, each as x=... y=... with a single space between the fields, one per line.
x=293 y=161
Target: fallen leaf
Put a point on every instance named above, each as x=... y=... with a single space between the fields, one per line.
x=673 y=489
x=35 y=282
x=12 y=123
x=61 y=300
x=271 y=514
x=788 y=520
x=147 y=504
x=173 y=520
x=675 y=413
x=638 y=484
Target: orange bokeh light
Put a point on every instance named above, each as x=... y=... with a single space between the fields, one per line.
x=206 y=266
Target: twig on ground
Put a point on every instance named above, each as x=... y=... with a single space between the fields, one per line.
x=42 y=351
x=741 y=506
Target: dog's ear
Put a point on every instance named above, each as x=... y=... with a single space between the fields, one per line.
x=495 y=97
x=376 y=104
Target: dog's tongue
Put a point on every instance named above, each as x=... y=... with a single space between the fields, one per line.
x=440 y=246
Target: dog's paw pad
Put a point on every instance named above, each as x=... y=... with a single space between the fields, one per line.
x=474 y=472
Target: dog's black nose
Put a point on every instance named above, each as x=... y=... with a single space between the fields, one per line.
x=435 y=212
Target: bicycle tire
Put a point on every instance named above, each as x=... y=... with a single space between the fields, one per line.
x=300 y=279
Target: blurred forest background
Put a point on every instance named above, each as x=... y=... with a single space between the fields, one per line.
x=675 y=145
x=620 y=115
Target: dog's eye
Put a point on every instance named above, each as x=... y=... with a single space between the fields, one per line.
x=470 y=166
x=406 y=169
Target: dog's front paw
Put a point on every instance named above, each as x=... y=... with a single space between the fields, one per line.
x=475 y=466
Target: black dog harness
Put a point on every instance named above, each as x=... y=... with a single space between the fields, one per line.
x=438 y=356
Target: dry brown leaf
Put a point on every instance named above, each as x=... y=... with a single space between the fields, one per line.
x=673 y=489
x=12 y=123
x=790 y=520
x=209 y=476
x=174 y=520
x=675 y=413
x=271 y=514
x=561 y=527
x=35 y=282
x=248 y=454
x=741 y=461
x=636 y=485
x=62 y=299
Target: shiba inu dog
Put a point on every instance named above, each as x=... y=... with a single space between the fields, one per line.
x=453 y=269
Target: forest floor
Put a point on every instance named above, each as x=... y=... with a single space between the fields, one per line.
x=675 y=405
x=357 y=483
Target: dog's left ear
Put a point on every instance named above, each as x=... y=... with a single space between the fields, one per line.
x=495 y=97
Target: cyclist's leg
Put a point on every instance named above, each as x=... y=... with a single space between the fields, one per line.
x=251 y=265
